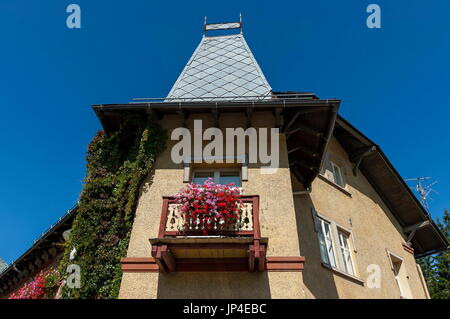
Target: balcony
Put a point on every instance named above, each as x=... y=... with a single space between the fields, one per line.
x=182 y=244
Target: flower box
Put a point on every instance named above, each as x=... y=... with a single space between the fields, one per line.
x=209 y=207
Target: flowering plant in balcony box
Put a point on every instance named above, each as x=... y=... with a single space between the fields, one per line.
x=209 y=206
x=42 y=286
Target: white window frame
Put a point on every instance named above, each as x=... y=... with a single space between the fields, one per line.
x=339 y=258
x=327 y=241
x=345 y=252
x=216 y=172
x=331 y=168
x=402 y=283
x=337 y=171
x=241 y=160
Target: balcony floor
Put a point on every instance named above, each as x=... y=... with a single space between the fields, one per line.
x=172 y=252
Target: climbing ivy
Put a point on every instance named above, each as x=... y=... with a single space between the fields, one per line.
x=117 y=164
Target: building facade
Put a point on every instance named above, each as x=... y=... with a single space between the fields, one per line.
x=333 y=220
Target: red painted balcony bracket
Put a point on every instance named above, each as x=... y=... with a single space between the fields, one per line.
x=273 y=264
x=164 y=256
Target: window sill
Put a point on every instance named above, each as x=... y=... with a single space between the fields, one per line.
x=344 y=274
x=343 y=190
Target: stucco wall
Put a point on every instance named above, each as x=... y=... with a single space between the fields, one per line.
x=277 y=218
x=374 y=231
x=287 y=221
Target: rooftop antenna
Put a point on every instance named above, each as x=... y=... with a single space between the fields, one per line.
x=423 y=188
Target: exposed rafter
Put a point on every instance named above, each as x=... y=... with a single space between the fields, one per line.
x=359 y=156
x=305 y=128
x=183 y=116
x=298 y=175
x=249 y=115
x=215 y=113
x=303 y=149
x=308 y=166
x=417 y=226
x=291 y=122
x=279 y=120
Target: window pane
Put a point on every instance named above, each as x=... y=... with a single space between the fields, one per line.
x=326 y=244
x=201 y=177
x=230 y=177
x=323 y=245
x=346 y=254
x=343 y=240
x=349 y=263
x=329 y=243
x=337 y=175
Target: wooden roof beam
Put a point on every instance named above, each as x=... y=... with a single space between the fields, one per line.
x=417 y=226
x=183 y=116
x=291 y=122
x=279 y=119
x=359 y=156
x=298 y=175
x=215 y=113
x=308 y=166
x=249 y=115
x=305 y=128
x=304 y=150
x=293 y=163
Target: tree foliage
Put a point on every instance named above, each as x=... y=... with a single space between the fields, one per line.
x=436 y=268
x=117 y=164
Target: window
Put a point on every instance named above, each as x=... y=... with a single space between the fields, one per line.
x=220 y=176
x=335 y=245
x=201 y=177
x=227 y=177
x=336 y=175
x=400 y=274
x=332 y=171
x=326 y=242
x=346 y=253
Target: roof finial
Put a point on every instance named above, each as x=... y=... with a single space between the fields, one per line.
x=222 y=26
x=240 y=21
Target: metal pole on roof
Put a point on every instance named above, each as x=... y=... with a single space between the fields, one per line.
x=423 y=189
x=240 y=21
x=204 y=27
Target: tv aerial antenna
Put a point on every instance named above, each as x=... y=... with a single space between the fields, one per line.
x=423 y=188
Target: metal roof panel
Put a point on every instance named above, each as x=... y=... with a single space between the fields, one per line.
x=221 y=68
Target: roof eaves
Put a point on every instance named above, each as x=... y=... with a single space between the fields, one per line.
x=69 y=215
x=426 y=216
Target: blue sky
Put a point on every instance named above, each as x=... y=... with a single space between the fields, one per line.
x=393 y=83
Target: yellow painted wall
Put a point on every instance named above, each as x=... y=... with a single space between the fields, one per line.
x=286 y=220
x=374 y=231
